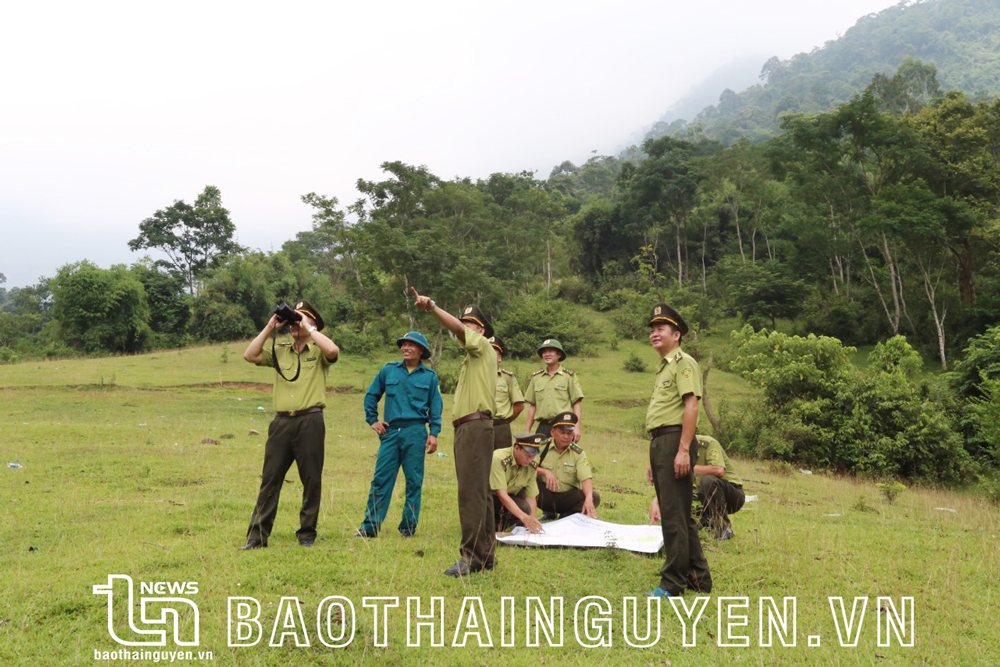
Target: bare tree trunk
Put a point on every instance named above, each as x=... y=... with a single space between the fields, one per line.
x=704 y=270
x=847 y=281
x=895 y=281
x=966 y=276
x=739 y=235
x=548 y=266
x=930 y=289
x=680 y=257
x=712 y=418
x=881 y=298
x=438 y=347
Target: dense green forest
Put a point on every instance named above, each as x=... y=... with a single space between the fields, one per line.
x=962 y=37
x=875 y=223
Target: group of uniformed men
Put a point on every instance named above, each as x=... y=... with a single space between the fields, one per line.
x=502 y=481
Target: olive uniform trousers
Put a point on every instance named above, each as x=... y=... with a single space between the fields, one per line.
x=473 y=458
x=299 y=439
x=719 y=499
x=502 y=516
x=685 y=565
x=501 y=435
x=563 y=503
x=544 y=426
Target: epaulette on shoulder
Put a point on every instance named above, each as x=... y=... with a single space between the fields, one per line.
x=538 y=372
x=680 y=355
x=507 y=461
x=568 y=371
x=504 y=370
x=576 y=448
x=703 y=444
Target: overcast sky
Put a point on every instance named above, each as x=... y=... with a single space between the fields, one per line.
x=110 y=111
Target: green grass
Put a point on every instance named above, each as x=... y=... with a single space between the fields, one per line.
x=115 y=479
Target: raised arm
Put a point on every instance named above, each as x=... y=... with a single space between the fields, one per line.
x=452 y=323
x=255 y=350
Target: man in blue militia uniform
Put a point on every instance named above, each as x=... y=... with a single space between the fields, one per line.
x=671 y=420
x=412 y=401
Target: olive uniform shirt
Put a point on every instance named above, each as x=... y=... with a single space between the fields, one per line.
x=711 y=453
x=552 y=394
x=508 y=393
x=309 y=389
x=477 y=380
x=677 y=376
x=506 y=474
x=571 y=467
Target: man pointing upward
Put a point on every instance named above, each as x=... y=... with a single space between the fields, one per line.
x=472 y=417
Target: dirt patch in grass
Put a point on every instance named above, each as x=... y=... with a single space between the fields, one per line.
x=615 y=488
x=256 y=386
x=624 y=402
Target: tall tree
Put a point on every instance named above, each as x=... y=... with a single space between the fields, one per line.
x=100 y=310
x=661 y=192
x=193 y=237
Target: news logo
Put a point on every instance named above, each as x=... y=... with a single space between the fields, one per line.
x=164 y=612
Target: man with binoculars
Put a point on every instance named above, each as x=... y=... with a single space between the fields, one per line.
x=297 y=432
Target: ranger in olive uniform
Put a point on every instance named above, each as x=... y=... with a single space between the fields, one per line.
x=512 y=479
x=552 y=390
x=565 y=482
x=671 y=420
x=510 y=400
x=297 y=432
x=472 y=416
x=718 y=487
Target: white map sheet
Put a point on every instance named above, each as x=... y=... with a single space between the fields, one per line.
x=579 y=530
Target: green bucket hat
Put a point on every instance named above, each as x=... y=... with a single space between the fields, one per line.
x=553 y=344
x=419 y=339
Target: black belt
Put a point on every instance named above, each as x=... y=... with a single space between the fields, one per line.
x=663 y=430
x=471 y=418
x=498 y=422
x=299 y=413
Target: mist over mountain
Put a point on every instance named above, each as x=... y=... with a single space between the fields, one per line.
x=736 y=75
x=961 y=38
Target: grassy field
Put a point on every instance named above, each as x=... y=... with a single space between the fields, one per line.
x=145 y=466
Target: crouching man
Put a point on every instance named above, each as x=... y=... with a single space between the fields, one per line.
x=718 y=487
x=565 y=482
x=512 y=479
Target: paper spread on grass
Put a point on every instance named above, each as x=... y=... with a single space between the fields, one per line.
x=582 y=531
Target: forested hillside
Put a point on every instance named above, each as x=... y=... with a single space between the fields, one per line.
x=961 y=38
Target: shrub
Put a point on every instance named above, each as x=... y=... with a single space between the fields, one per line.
x=353 y=341
x=634 y=364
x=976 y=378
x=989 y=487
x=448 y=377
x=890 y=490
x=573 y=289
x=781 y=468
x=533 y=319
x=820 y=410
